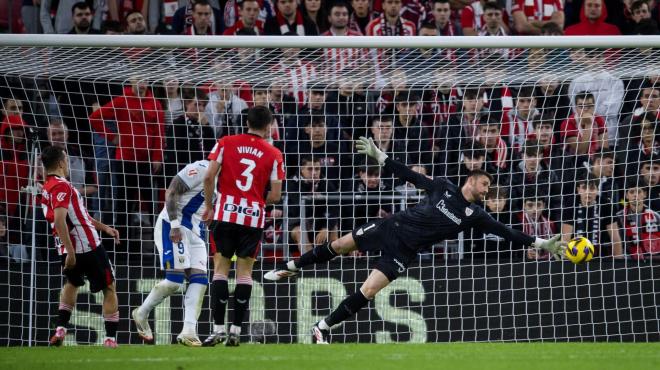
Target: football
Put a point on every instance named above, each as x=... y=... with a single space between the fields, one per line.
x=579 y=250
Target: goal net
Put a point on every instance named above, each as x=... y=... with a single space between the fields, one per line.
x=569 y=132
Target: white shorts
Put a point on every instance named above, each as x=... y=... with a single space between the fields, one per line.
x=191 y=252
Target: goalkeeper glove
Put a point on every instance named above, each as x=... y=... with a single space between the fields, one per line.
x=368 y=147
x=552 y=246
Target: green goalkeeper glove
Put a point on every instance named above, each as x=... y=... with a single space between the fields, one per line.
x=368 y=147
x=553 y=246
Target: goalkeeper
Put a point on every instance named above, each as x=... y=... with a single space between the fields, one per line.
x=446 y=211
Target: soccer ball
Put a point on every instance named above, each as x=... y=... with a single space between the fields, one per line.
x=579 y=250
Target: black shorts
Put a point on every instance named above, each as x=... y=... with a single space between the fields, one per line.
x=381 y=236
x=95 y=266
x=233 y=239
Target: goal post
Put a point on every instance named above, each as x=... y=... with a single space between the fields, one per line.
x=568 y=126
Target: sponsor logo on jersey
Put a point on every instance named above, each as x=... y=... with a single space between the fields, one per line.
x=468 y=211
x=61 y=196
x=402 y=268
x=192 y=172
x=248 y=211
x=443 y=208
x=447 y=195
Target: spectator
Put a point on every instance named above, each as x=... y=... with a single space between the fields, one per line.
x=422 y=60
x=190 y=136
x=461 y=127
x=649 y=171
x=224 y=109
x=361 y=16
x=552 y=99
x=607 y=89
x=232 y=12
x=647 y=104
x=440 y=99
x=520 y=125
x=592 y=21
x=204 y=20
x=64 y=15
x=339 y=17
x=638 y=11
x=112 y=28
x=408 y=128
x=591 y=218
x=289 y=19
x=171 y=100
x=498 y=206
x=382 y=131
x=14 y=172
x=646 y=27
x=183 y=18
x=320 y=216
x=554 y=157
x=642 y=142
x=316 y=106
x=134 y=23
x=602 y=168
x=82 y=20
x=533 y=221
x=530 y=176
x=296 y=73
x=530 y=16
x=337 y=60
x=314 y=10
x=30 y=17
x=473 y=157
x=139 y=155
x=498 y=154
x=639 y=223
x=351 y=107
x=584 y=132
x=370 y=186
x=261 y=98
x=390 y=23
x=442 y=19
x=492 y=21
x=249 y=12
x=472 y=18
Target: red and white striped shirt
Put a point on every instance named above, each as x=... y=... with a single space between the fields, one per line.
x=299 y=73
x=539 y=10
x=249 y=163
x=60 y=193
x=337 y=59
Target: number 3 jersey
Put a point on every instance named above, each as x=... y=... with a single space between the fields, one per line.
x=190 y=207
x=248 y=164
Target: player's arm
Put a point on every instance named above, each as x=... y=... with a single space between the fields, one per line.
x=492 y=226
x=209 y=187
x=275 y=193
x=172 y=195
x=400 y=170
x=63 y=233
x=100 y=226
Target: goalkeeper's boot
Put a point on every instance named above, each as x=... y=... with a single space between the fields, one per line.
x=233 y=340
x=142 y=325
x=213 y=339
x=320 y=336
x=110 y=342
x=57 y=338
x=189 y=340
x=277 y=275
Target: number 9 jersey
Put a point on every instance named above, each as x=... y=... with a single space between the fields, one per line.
x=248 y=164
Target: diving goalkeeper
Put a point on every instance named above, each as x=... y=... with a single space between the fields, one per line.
x=446 y=211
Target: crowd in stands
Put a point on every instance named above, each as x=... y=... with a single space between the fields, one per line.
x=576 y=156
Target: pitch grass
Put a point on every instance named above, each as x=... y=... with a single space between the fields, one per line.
x=452 y=356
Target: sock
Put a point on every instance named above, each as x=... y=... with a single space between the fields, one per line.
x=64 y=314
x=320 y=253
x=241 y=299
x=219 y=297
x=193 y=302
x=347 y=308
x=219 y=328
x=233 y=329
x=162 y=290
x=111 y=322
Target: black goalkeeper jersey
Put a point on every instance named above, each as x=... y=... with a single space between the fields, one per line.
x=443 y=213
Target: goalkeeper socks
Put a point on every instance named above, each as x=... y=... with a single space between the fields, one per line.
x=162 y=290
x=347 y=308
x=219 y=297
x=64 y=314
x=193 y=302
x=111 y=323
x=320 y=253
x=242 y=295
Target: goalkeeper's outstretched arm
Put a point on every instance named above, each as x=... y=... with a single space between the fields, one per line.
x=492 y=226
x=400 y=170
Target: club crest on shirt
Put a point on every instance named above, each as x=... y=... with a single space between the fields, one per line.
x=192 y=172
x=61 y=196
x=468 y=211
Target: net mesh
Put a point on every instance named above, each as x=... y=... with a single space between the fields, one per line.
x=541 y=120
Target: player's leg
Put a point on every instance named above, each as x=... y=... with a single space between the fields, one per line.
x=376 y=281
x=110 y=315
x=172 y=283
x=197 y=282
x=319 y=254
x=219 y=298
x=242 y=295
x=67 y=303
x=101 y=278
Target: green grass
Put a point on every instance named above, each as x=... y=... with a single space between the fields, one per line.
x=453 y=356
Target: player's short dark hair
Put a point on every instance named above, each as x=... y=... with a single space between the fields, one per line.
x=492 y=5
x=51 y=156
x=473 y=149
x=80 y=5
x=258 y=118
x=479 y=172
x=584 y=95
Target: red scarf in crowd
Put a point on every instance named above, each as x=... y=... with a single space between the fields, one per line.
x=541 y=228
x=641 y=232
